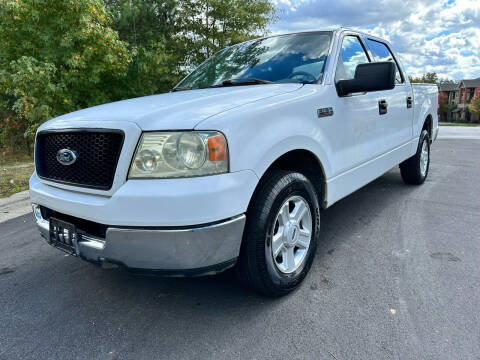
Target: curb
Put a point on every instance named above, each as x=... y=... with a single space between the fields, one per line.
x=22 y=195
x=16 y=205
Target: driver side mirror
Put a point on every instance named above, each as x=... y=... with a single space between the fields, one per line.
x=375 y=76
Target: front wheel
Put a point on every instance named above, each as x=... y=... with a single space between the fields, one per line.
x=280 y=239
x=415 y=170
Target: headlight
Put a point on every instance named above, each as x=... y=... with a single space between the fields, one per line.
x=179 y=154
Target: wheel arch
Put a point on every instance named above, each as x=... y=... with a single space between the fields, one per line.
x=305 y=162
x=428 y=125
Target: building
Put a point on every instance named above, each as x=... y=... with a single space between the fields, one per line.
x=454 y=100
x=448 y=94
x=467 y=90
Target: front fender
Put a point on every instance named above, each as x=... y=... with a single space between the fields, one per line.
x=260 y=132
x=297 y=142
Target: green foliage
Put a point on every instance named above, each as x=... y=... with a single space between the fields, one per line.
x=474 y=106
x=58 y=56
x=149 y=28
x=429 y=78
x=31 y=86
x=189 y=30
x=444 y=110
x=150 y=71
x=12 y=139
x=140 y=22
x=210 y=25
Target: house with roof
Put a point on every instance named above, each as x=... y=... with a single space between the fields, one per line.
x=467 y=90
x=454 y=100
x=448 y=100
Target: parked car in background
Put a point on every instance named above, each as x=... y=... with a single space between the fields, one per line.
x=234 y=166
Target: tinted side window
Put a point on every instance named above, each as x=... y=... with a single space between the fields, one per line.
x=351 y=55
x=381 y=53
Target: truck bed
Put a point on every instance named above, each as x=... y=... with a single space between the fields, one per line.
x=425 y=101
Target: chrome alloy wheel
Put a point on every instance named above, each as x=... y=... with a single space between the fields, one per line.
x=291 y=234
x=424 y=157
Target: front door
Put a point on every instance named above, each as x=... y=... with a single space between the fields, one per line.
x=357 y=114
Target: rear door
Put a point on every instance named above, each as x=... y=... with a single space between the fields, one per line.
x=396 y=123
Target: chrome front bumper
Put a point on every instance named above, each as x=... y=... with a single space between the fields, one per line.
x=185 y=251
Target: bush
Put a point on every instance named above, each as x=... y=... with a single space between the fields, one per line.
x=12 y=136
x=57 y=56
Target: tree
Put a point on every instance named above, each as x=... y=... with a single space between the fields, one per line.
x=58 y=56
x=430 y=78
x=189 y=30
x=149 y=27
x=474 y=106
x=443 y=109
x=141 y=21
x=210 y=25
x=447 y=81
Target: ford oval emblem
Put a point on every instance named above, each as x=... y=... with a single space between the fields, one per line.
x=66 y=156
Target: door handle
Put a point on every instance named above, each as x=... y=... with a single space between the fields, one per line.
x=382 y=107
x=409 y=102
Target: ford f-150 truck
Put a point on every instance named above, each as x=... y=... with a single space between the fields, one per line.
x=234 y=166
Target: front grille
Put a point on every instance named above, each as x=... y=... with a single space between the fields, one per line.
x=97 y=156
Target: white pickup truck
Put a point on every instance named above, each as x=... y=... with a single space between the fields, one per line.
x=233 y=167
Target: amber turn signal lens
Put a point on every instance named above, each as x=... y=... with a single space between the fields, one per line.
x=217 y=148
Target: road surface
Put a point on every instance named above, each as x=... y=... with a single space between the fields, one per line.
x=459 y=132
x=397 y=276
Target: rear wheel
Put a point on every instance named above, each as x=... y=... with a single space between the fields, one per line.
x=415 y=169
x=280 y=239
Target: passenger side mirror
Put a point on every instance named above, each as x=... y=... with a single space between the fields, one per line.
x=374 y=76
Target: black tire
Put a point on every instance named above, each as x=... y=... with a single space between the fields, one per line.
x=411 y=169
x=256 y=267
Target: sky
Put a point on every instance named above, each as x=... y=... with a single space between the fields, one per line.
x=440 y=36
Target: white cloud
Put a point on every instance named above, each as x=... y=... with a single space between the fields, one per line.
x=441 y=36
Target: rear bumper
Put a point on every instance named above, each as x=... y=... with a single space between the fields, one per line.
x=185 y=251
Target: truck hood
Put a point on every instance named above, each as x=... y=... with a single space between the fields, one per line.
x=172 y=111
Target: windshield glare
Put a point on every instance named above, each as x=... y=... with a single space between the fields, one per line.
x=295 y=58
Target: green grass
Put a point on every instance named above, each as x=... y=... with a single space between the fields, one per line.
x=16 y=157
x=14 y=178
x=15 y=171
x=458 y=124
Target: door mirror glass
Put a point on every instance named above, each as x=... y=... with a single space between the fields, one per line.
x=368 y=77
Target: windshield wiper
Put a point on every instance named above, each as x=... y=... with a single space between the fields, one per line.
x=182 y=89
x=230 y=82
x=235 y=82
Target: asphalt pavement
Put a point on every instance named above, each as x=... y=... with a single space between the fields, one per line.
x=397 y=276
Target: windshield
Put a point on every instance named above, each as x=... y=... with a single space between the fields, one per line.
x=295 y=58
